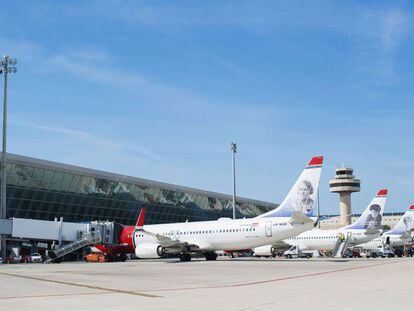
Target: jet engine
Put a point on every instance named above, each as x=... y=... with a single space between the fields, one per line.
x=149 y=250
x=267 y=250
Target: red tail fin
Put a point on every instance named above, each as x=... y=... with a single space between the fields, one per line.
x=141 y=219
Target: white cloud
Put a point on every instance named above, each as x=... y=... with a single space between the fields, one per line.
x=379 y=36
x=81 y=137
x=113 y=75
x=393 y=26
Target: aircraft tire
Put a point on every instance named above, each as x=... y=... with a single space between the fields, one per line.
x=185 y=257
x=109 y=258
x=210 y=256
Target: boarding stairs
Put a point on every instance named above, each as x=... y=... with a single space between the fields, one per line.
x=341 y=245
x=90 y=238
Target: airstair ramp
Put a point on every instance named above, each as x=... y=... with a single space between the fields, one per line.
x=337 y=246
x=91 y=238
x=341 y=246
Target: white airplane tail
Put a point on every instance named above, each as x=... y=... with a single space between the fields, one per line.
x=406 y=223
x=371 y=218
x=303 y=195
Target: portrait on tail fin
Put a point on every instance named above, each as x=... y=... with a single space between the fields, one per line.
x=374 y=219
x=304 y=202
x=408 y=222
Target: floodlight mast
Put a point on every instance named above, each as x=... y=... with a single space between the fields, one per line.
x=234 y=151
x=7 y=65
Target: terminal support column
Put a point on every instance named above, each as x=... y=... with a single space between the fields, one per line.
x=233 y=152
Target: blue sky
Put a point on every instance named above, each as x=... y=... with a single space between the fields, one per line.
x=159 y=89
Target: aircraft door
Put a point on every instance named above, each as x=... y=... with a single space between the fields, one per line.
x=175 y=234
x=268 y=229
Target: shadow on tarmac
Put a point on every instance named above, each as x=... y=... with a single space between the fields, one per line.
x=244 y=259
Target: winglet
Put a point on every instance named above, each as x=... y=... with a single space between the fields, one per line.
x=141 y=219
x=411 y=208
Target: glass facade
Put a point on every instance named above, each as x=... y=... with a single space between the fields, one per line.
x=46 y=190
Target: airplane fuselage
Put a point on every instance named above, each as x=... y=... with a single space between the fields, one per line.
x=318 y=239
x=392 y=239
x=225 y=234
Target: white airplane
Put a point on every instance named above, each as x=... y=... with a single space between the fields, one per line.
x=397 y=236
x=363 y=230
x=289 y=219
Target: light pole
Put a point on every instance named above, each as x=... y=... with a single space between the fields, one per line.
x=233 y=152
x=7 y=65
x=319 y=211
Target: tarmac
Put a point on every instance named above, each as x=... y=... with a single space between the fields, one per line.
x=225 y=284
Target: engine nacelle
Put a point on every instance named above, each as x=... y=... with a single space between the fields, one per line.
x=149 y=250
x=267 y=250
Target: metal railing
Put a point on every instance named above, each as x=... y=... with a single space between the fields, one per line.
x=91 y=238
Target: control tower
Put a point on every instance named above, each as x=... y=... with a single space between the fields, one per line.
x=344 y=184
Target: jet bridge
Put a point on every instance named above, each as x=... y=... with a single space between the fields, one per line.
x=68 y=235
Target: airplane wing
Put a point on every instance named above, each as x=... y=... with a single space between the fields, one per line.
x=164 y=241
x=405 y=235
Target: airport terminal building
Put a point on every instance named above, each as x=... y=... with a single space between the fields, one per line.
x=46 y=190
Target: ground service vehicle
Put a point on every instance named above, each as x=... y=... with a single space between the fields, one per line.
x=35 y=258
x=352 y=253
x=381 y=251
x=296 y=252
x=94 y=257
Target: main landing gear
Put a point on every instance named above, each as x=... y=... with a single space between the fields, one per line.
x=210 y=256
x=185 y=257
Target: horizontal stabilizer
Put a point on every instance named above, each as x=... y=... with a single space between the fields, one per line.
x=372 y=230
x=298 y=218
